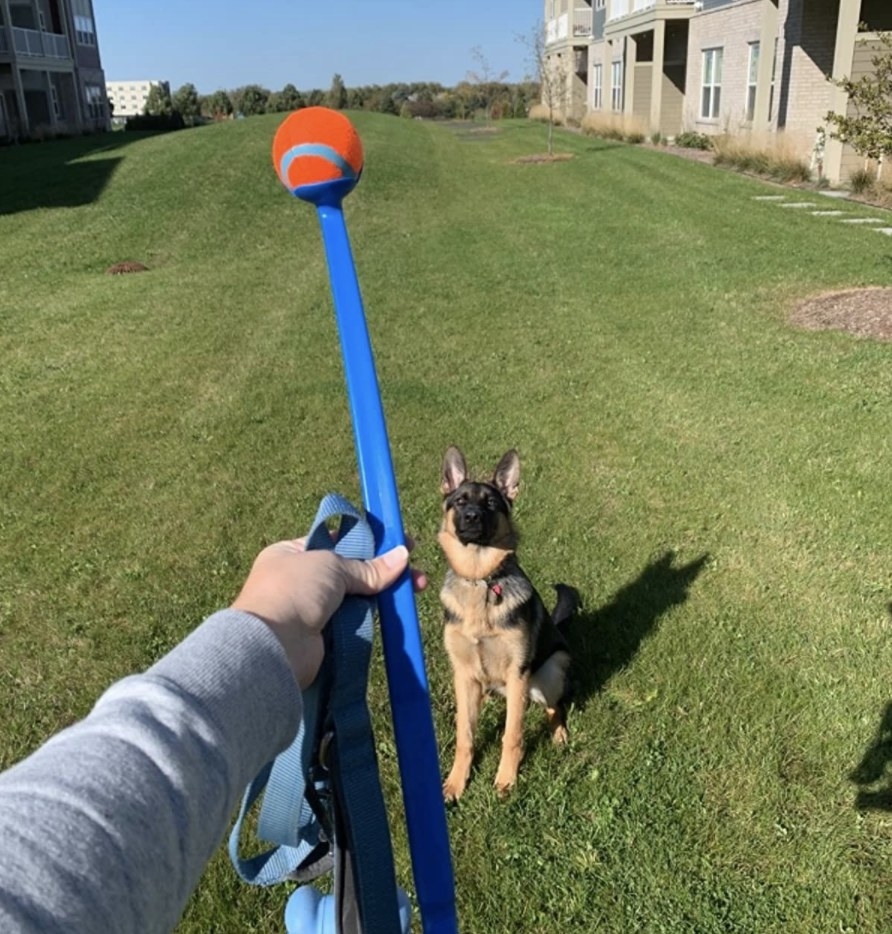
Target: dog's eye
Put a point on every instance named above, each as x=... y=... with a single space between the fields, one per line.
x=461 y=501
x=492 y=503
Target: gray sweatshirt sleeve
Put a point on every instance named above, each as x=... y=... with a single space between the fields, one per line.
x=109 y=825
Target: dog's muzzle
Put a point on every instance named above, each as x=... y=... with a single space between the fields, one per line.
x=469 y=525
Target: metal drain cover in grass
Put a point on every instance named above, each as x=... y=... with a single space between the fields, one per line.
x=863 y=312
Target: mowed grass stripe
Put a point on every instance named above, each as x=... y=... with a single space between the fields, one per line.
x=713 y=482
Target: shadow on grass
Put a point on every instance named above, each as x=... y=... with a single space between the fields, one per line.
x=871 y=773
x=605 y=640
x=606 y=147
x=52 y=175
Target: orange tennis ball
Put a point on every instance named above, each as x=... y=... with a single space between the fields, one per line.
x=317 y=154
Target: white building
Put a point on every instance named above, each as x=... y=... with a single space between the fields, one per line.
x=128 y=98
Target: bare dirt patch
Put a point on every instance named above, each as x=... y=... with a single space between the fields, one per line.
x=865 y=313
x=541 y=158
x=128 y=266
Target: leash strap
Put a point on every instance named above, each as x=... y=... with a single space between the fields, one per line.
x=311 y=807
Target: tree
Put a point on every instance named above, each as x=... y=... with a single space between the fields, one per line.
x=217 y=106
x=315 y=98
x=158 y=101
x=551 y=75
x=250 y=100
x=290 y=99
x=386 y=103
x=869 y=130
x=337 y=94
x=185 y=101
x=488 y=83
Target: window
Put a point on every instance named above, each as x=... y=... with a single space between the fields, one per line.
x=752 y=80
x=597 y=87
x=616 y=86
x=84 y=30
x=94 y=98
x=773 y=71
x=599 y=4
x=711 y=96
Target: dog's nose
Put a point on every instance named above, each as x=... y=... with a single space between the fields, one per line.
x=471 y=514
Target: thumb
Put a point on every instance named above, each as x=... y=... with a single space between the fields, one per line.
x=371 y=577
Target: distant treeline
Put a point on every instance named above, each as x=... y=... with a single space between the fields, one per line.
x=492 y=100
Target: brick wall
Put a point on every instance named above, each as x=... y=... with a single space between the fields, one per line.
x=805 y=57
x=730 y=28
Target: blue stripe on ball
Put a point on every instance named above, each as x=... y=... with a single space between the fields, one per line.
x=315 y=149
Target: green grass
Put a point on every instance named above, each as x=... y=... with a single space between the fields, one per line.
x=715 y=483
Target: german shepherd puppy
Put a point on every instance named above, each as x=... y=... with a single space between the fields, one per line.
x=498 y=634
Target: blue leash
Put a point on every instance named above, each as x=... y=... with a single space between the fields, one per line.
x=322 y=796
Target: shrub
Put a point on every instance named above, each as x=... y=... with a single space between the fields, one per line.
x=862 y=181
x=540 y=112
x=161 y=123
x=691 y=140
x=656 y=138
x=43 y=132
x=774 y=159
x=613 y=126
x=789 y=169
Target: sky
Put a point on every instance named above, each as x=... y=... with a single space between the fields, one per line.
x=226 y=44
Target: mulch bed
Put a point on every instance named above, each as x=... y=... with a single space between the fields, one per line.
x=865 y=313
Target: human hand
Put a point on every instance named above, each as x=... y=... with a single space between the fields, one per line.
x=295 y=592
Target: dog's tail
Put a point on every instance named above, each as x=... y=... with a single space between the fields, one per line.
x=568 y=603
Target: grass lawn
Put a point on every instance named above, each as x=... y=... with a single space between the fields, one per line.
x=715 y=483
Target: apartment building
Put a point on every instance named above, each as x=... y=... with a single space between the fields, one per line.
x=753 y=67
x=51 y=78
x=568 y=33
x=128 y=98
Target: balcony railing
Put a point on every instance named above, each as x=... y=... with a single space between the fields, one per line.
x=4 y=45
x=580 y=21
x=36 y=44
x=617 y=9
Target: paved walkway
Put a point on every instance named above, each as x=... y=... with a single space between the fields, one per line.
x=847 y=214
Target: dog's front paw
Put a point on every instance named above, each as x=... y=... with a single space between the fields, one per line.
x=560 y=736
x=453 y=788
x=505 y=783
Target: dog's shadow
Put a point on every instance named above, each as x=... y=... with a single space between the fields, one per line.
x=605 y=640
x=872 y=775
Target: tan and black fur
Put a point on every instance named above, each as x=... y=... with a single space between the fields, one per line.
x=498 y=634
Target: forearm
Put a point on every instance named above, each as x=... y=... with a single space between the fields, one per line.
x=109 y=826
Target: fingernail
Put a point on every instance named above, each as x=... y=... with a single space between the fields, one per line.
x=396 y=557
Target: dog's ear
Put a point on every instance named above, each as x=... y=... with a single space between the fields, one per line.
x=455 y=470
x=507 y=475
